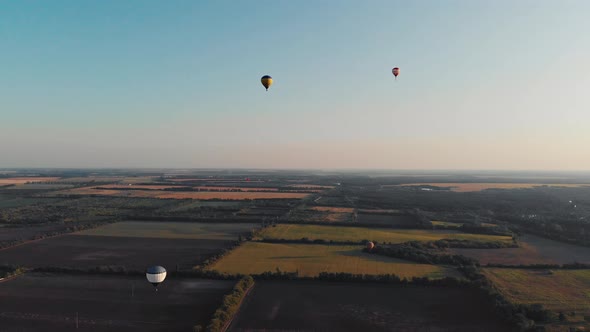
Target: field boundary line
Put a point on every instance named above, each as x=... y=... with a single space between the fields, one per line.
x=246 y=293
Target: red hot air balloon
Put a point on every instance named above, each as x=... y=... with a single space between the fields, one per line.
x=370 y=246
x=395 y=72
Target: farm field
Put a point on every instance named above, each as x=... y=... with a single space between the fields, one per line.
x=334 y=209
x=133 y=253
x=173 y=230
x=381 y=235
x=202 y=195
x=13 y=233
x=557 y=290
x=310 y=260
x=467 y=187
x=49 y=302
x=222 y=188
x=318 y=306
x=386 y=219
x=26 y=179
x=533 y=250
x=138 y=186
x=310 y=186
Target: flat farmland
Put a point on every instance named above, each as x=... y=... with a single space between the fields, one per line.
x=201 y=195
x=214 y=188
x=29 y=232
x=333 y=209
x=310 y=186
x=49 y=302
x=532 y=250
x=133 y=253
x=173 y=230
x=139 y=186
x=358 y=234
x=310 y=260
x=557 y=290
x=467 y=187
x=386 y=219
x=22 y=180
x=317 y=306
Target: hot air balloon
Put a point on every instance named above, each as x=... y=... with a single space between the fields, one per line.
x=395 y=72
x=266 y=81
x=370 y=246
x=155 y=275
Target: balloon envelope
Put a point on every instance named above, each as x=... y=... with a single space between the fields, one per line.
x=395 y=71
x=370 y=245
x=155 y=275
x=266 y=81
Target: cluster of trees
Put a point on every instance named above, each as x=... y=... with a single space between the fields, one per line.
x=419 y=252
x=7 y=271
x=231 y=303
x=523 y=316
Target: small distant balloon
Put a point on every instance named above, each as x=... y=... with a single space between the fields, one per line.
x=370 y=246
x=156 y=275
x=395 y=72
x=266 y=81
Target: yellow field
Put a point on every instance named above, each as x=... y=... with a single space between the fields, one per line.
x=310 y=260
x=466 y=187
x=202 y=195
x=334 y=209
x=343 y=233
x=557 y=290
x=21 y=180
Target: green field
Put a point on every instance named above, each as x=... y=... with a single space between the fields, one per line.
x=310 y=260
x=173 y=230
x=557 y=290
x=382 y=235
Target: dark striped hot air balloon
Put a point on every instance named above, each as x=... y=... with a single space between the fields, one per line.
x=395 y=72
x=266 y=81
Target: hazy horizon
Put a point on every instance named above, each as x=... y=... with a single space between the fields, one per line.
x=147 y=84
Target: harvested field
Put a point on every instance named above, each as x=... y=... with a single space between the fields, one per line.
x=446 y=223
x=533 y=250
x=173 y=230
x=50 y=302
x=310 y=186
x=317 y=306
x=310 y=260
x=23 y=180
x=333 y=209
x=133 y=253
x=358 y=234
x=41 y=186
x=201 y=195
x=557 y=290
x=466 y=187
x=212 y=188
x=9 y=234
x=392 y=220
x=138 y=186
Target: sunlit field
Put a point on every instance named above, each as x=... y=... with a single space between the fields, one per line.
x=310 y=260
x=358 y=234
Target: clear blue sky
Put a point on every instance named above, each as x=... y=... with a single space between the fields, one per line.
x=483 y=84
